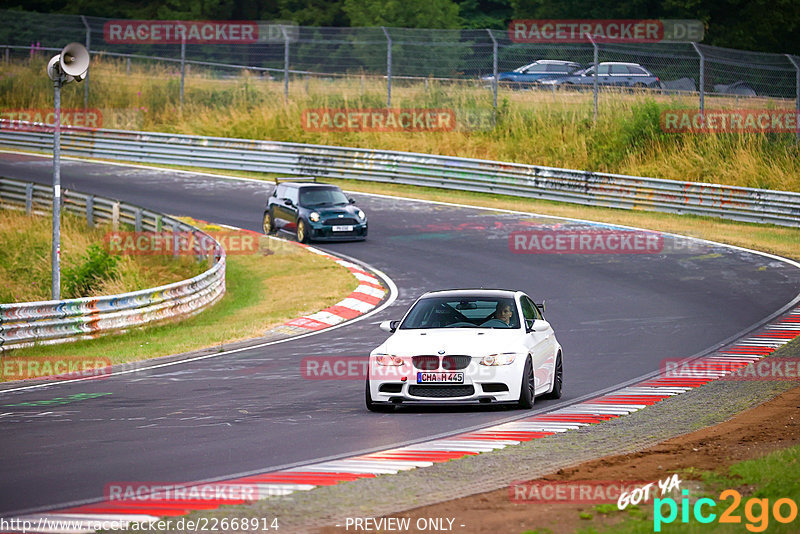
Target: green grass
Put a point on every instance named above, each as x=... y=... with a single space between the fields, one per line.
x=538 y=127
x=86 y=268
x=278 y=283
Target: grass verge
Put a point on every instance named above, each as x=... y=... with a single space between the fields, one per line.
x=279 y=282
x=86 y=267
x=536 y=127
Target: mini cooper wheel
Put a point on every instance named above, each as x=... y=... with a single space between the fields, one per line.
x=267 y=225
x=526 y=392
x=302 y=231
x=558 y=380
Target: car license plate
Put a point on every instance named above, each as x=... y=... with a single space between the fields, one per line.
x=347 y=228
x=440 y=378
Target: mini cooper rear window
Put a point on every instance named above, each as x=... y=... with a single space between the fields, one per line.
x=465 y=312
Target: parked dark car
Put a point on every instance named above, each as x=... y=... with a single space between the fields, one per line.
x=527 y=74
x=314 y=211
x=608 y=74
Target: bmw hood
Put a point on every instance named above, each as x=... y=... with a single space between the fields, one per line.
x=468 y=341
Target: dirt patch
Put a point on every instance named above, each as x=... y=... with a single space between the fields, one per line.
x=751 y=434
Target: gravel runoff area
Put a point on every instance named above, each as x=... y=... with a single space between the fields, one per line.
x=716 y=402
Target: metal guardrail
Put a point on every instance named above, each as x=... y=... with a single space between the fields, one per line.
x=446 y=172
x=56 y=321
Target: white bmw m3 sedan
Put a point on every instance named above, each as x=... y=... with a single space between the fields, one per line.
x=459 y=346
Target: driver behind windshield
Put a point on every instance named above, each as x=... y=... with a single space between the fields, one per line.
x=501 y=316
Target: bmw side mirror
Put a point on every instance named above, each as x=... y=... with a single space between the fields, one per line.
x=288 y=202
x=540 y=325
x=351 y=200
x=389 y=326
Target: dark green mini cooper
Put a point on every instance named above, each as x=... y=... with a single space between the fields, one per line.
x=314 y=211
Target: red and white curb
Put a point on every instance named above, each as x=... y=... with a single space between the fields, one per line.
x=609 y=406
x=364 y=298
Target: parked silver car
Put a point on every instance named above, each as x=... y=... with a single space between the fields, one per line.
x=609 y=73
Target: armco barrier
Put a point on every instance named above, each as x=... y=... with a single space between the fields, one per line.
x=58 y=321
x=448 y=172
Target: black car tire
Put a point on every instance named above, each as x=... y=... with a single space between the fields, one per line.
x=267 y=224
x=526 y=393
x=373 y=407
x=301 y=232
x=558 y=380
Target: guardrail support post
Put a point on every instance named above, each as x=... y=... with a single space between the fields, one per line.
x=494 y=69
x=388 y=67
x=115 y=216
x=183 y=66
x=90 y=211
x=702 y=78
x=137 y=220
x=29 y=198
x=176 y=240
x=285 y=63
x=86 y=76
x=796 y=98
x=159 y=222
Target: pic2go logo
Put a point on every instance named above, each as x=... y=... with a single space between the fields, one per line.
x=756 y=511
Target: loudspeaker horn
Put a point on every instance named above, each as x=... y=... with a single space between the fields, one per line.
x=74 y=60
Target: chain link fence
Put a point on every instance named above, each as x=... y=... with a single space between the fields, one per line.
x=292 y=54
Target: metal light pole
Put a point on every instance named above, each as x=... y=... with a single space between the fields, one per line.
x=72 y=64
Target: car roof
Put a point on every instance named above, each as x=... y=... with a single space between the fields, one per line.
x=478 y=292
x=555 y=61
x=309 y=185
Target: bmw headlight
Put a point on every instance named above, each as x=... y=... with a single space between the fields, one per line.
x=389 y=360
x=507 y=358
x=361 y=214
x=314 y=216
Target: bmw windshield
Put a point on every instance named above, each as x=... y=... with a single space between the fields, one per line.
x=462 y=312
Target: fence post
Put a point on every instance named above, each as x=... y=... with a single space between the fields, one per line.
x=796 y=97
x=494 y=69
x=183 y=66
x=595 y=84
x=285 y=63
x=388 y=67
x=702 y=78
x=29 y=198
x=90 y=211
x=137 y=220
x=128 y=65
x=8 y=55
x=86 y=76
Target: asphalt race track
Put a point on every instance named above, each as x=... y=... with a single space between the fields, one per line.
x=617 y=317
